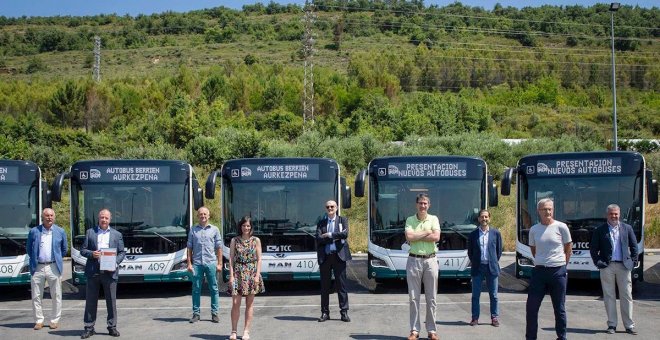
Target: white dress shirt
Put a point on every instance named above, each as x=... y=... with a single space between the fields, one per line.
x=483 y=244
x=46 y=246
x=103 y=238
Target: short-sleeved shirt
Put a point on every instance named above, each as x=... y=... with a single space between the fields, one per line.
x=204 y=241
x=549 y=242
x=430 y=223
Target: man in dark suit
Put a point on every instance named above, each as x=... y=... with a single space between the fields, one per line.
x=97 y=238
x=613 y=249
x=484 y=251
x=332 y=252
x=46 y=245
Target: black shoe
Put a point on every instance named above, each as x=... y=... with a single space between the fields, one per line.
x=344 y=316
x=87 y=333
x=631 y=331
x=611 y=330
x=194 y=318
x=324 y=317
x=113 y=332
x=215 y=318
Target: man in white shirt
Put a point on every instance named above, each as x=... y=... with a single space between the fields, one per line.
x=46 y=247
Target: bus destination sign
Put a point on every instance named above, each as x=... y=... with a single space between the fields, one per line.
x=126 y=174
x=8 y=174
x=564 y=167
x=425 y=170
x=277 y=172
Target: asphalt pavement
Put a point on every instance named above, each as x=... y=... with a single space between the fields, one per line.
x=289 y=310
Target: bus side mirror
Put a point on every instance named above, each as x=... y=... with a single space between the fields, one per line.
x=493 y=198
x=210 y=184
x=359 y=183
x=651 y=188
x=345 y=193
x=56 y=188
x=47 y=201
x=198 y=197
x=507 y=178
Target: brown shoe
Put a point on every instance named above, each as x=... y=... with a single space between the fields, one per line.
x=495 y=322
x=434 y=336
x=474 y=322
x=53 y=325
x=413 y=335
x=38 y=326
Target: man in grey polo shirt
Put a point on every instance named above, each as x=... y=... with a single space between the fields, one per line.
x=550 y=243
x=204 y=259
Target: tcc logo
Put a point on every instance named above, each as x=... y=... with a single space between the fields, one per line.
x=278 y=248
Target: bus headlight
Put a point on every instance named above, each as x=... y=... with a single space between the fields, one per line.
x=24 y=270
x=376 y=262
x=183 y=265
x=469 y=264
x=523 y=261
x=78 y=268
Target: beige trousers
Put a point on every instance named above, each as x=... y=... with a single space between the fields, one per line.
x=47 y=272
x=418 y=271
x=617 y=274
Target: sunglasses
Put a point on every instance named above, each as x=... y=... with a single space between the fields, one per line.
x=330 y=207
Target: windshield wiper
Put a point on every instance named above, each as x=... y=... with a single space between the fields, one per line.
x=13 y=241
x=447 y=226
x=159 y=235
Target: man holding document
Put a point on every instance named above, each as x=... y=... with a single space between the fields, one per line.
x=104 y=249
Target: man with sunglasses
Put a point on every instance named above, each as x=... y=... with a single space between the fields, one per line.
x=332 y=253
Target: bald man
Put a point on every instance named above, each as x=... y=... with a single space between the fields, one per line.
x=46 y=245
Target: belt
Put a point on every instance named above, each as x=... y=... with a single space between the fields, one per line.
x=549 y=267
x=422 y=256
x=617 y=261
x=46 y=262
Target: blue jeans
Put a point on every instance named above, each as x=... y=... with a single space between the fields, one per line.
x=199 y=270
x=547 y=280
x=491 y=283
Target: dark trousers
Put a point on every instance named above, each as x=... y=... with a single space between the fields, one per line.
x=547 y=280
x=335 y=264
x=91 y=301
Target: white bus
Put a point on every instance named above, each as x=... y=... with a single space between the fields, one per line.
x=23 y=194
x=582 y=185
x=285 y=197
x=458 y=188
x=153 y=205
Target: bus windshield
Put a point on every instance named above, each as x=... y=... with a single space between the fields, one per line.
x=277 y=208
x=19 y=209
x=581 y=202
x=455 y=202
x=138 y=210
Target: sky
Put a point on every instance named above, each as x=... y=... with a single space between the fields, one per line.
x=18 y=8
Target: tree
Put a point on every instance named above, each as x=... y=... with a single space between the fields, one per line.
x=67 y=105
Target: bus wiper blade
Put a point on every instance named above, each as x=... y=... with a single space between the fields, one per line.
x=159 y=235
x=13 y=241
x=450 y=227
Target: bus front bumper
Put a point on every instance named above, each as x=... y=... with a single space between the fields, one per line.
x=177 y=276
x=21 y=279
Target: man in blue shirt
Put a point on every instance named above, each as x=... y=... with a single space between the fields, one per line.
x=204 y=259
x=46 y=245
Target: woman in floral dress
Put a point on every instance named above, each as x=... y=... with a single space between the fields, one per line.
x=244 y=275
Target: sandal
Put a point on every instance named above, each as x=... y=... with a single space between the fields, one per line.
x=233 y=335
x=246 y=335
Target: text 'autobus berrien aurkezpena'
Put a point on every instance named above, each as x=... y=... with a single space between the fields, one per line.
x=458 y=187
x=582 y=185
x=285 y=198
x=152 y=203
x=23 y=194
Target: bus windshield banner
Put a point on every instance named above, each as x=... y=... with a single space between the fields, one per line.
x=275 y=172
x=425 y=170
x=8 y=174
x=568 y=167
x=126 y=174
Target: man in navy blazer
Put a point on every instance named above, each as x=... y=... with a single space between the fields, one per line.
x=484 y=251
x=614 y=251
x=332 y=252
x=46 y=245
x=97 y=238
